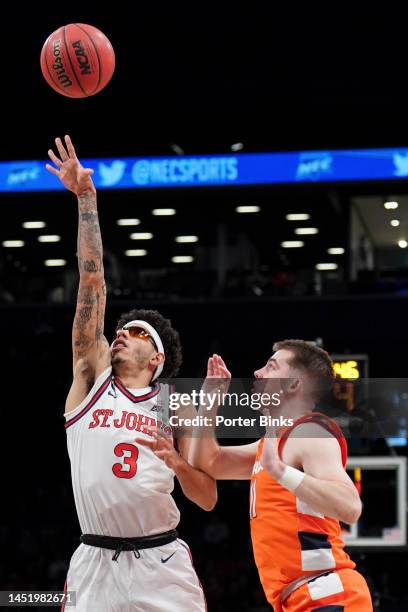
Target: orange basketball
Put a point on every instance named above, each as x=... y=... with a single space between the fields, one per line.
x=77 y=60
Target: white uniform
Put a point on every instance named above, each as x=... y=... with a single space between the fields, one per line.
x=124 y=490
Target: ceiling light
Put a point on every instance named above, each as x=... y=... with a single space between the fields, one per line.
x=402 y=244
x=247 y=209
x=135 y=252
x=163 y=212
x=128 y=222
x=390 y=205
x=54 y=263
x=33 y=224
x=292 y=244
x=182 y=259
x=306 y=231
x=394 y=222
x=141 y=236
x=326 y=266
x=49 y=238
x=176 y=148
x=13 y=243
x=185 y=239
x=336 y=251
x=297 y=217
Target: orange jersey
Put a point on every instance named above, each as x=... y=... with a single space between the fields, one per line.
x=290 y=540
x=344 y=590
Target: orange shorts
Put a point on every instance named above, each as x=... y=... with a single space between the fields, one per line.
x=343 y=590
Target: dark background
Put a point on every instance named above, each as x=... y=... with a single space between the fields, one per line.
x=205 y=75
x=202 y=76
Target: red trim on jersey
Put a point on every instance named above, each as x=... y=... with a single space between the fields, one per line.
x=136 y=399
x=184 y=545
x=324 y=421
x=91 y=403
x=65 y=592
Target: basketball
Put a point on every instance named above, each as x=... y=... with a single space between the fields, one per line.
x=77 y=60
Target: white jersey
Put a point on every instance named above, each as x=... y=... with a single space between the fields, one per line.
x=120 y=488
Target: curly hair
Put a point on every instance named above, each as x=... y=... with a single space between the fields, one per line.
x=169 y=336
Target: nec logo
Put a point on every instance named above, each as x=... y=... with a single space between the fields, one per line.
x=111 y=175
x=20 y=176
x=313 y=166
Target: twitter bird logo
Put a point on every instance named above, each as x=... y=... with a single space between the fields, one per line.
x=401 y=164
x=111 y=175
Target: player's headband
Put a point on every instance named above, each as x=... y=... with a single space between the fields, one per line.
x=160 y=348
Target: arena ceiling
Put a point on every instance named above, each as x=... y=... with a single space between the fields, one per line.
x=199 y=78
x=224 y=237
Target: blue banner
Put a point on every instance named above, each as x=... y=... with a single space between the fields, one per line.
x=218 y=170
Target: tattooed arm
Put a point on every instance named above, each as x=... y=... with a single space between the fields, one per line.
x=90 y=348
x=88 y=341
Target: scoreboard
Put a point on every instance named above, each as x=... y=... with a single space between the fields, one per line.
x=350 y=388
x=350 y=367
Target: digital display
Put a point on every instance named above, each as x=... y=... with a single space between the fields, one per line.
x=218 y=170
x=350 y=367
x=348 y=371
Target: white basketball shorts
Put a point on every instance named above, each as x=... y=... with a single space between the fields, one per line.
x=163 y=579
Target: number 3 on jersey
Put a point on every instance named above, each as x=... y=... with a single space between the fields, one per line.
x=128 y=467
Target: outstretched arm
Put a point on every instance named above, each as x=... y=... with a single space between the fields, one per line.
x=87 y=333
x=220 y=462
x=90 y=349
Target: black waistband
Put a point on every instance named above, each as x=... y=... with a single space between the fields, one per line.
x=134 y=544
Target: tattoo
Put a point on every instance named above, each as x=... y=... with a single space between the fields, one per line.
x=89 y=320
x=90 y=258
x=98 y=330
x=90 y=312
x=82 y=341
x=90 y=266
x=87 y=216
x=84 y=315
x=101 y=301
x=86 y=296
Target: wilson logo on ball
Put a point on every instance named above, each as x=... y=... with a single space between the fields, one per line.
x=77 y=60
x=58 y=66
x=81 y=57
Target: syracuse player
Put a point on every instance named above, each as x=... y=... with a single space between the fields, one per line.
x=299 y=487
